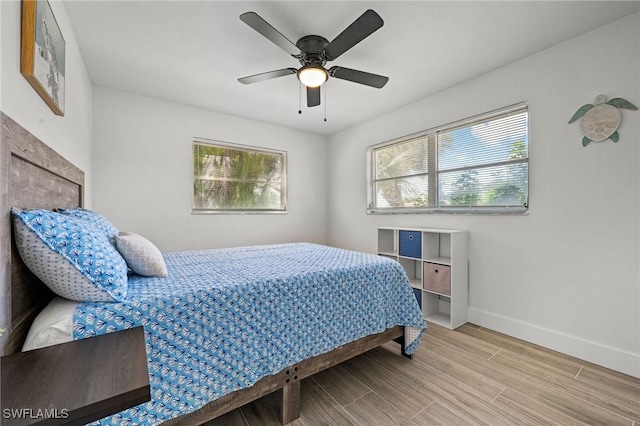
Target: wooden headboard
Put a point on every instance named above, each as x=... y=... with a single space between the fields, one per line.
x=32 y=175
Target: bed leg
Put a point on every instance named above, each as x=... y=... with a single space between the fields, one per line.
x=401 y=341
x=290 y=409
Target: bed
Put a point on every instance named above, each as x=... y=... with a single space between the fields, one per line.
x=287 y=320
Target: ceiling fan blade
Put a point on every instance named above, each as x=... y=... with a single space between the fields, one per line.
x=360 y=29
x=366 y=78
x=313 y=96
x=267 y=75
x=254 y=20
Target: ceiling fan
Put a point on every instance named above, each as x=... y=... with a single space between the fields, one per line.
x=315 y=51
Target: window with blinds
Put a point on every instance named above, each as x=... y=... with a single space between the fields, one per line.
x=474 y=165
x=229 y=178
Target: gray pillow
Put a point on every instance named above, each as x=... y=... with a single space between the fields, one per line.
x=141 y=255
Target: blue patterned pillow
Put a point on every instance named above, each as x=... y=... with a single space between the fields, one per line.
x=71 y=256
x=99 y=221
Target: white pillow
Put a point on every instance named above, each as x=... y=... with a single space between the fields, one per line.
x=141 y=255
x=52 y=326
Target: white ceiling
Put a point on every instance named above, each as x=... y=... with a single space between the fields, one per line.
x=193 y=52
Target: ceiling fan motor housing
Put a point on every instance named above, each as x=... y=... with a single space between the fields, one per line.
x=312 y=48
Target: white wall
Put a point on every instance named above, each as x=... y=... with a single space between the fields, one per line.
x=69 y=135
x=143 y=174
x=567 y=274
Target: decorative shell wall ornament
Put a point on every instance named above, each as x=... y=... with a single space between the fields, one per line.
x=601 y=119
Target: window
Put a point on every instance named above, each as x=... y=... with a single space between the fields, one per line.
x=230 y=178
x=474 y=165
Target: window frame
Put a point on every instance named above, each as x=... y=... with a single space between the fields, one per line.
x=433 y=172
x=239 y=147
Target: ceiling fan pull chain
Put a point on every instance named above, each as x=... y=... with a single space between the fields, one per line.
x=325 y=103
x=300 y=99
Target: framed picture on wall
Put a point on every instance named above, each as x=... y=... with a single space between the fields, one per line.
x=42 y=60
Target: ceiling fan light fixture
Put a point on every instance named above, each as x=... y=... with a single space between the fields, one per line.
x=312 y=75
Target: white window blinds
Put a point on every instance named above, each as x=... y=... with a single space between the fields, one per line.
x=401 y=174
x=479 y=163
x=236 y=178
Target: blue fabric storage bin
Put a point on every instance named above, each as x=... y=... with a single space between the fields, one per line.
x=411 y=244
x=418 y=294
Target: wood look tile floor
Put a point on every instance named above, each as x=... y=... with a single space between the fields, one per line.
x=470 y=376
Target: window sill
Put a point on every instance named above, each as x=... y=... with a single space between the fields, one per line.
x=237 y=212
x=498 y=211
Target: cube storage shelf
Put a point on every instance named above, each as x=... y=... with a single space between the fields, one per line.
x=436 y=262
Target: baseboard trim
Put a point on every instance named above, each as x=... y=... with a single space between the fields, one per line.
x=615 y=359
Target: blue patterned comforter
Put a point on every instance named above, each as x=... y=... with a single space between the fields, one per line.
x=224 y=319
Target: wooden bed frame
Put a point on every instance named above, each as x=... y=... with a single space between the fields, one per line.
x=34 y=176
